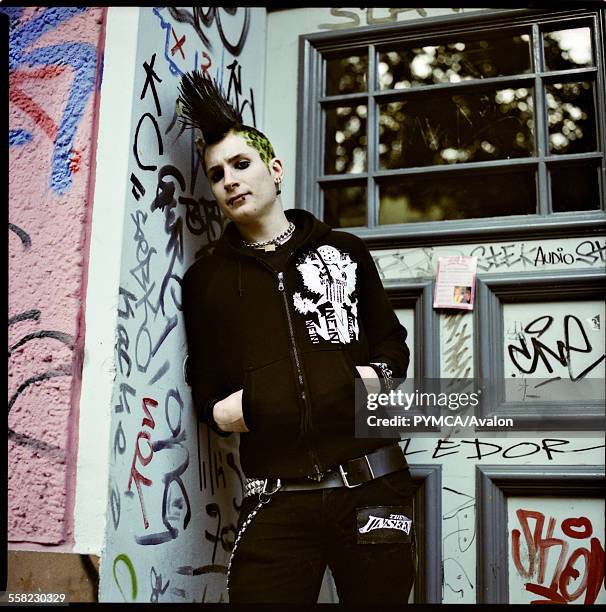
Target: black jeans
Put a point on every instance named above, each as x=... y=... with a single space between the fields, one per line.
x=362 y=534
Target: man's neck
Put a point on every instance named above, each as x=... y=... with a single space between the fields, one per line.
x=264 y=229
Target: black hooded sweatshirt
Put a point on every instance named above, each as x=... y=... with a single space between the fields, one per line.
x=290 y=338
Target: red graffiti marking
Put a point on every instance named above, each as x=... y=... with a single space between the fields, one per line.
x=205 y=67
x=144 y=460
x=74 y=161
x=26 y=104
x=178 y=44
x=148 y=420
x=557 y=591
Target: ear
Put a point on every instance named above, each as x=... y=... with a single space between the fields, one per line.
x=276 y=168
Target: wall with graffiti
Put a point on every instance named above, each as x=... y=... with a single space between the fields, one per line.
x=548 y=538
x=546 y=338
x=175 y=488
x=554 y=543
x=54 y=75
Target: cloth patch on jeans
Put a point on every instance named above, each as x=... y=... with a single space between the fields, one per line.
x=384 y=524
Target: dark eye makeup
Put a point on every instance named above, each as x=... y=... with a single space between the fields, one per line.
x=240 y=164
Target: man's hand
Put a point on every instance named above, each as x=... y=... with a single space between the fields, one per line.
x=371 y=379
x=228 y=413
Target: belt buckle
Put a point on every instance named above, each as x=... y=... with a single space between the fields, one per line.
x=344 y=475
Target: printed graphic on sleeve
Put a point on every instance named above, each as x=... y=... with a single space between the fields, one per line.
x=329 y=277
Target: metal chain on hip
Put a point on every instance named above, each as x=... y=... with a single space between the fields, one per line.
x=264 y=498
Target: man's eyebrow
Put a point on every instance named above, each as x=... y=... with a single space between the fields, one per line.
x=231 y=159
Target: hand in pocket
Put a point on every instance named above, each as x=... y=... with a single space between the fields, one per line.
x=228 y=413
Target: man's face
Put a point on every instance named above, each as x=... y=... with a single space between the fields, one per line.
x=241 y=183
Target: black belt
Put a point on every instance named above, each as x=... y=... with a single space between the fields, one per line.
x=350 y=474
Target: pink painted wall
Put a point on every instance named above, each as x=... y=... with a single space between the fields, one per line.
x=55 y=58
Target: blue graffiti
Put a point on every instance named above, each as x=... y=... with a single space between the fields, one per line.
x=174 y=69
x=13 y=13
x=21 y=36
x=18 y=137
x=82 y=57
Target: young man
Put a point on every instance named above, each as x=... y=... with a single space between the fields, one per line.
x=280 y=319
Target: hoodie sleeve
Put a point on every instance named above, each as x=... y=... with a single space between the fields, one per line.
x=389 y=354
x=202 y=371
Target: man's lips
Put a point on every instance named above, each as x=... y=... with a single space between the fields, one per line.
x=237 y=199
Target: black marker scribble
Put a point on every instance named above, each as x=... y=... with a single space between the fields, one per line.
x=24 y=316
x=23 y=235
x=67 y=339
x=38 y=445
x=63 y=370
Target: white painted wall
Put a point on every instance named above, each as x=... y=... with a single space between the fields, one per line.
x=98 y=371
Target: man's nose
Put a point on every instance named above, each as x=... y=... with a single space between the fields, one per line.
x=230 y=180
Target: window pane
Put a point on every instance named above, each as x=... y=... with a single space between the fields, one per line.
x=574 y=187
x=447 y=129
x=571 y=118
x=346 y=74
x=345 y=206
x=464 y=58
x=432 y=198
x=345 y=140
x=566 y=49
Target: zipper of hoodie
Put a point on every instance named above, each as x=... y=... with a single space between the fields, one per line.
x=303 y=395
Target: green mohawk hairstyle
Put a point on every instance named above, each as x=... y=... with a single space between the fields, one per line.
x=202 y=106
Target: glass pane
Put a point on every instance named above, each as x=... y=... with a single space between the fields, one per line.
x=433 y=198
x=451 y=128
x=345 y=140
x=346 y=74
x=574 y=187
x=566 y=49
x=464 y=58
x=345 y=206
x=571 y=118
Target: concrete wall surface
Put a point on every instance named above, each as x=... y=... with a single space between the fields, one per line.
x=54 y=76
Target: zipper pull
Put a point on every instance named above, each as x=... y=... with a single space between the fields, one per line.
x=280 y=281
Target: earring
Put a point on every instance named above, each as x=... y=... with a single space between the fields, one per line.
x=278 y=182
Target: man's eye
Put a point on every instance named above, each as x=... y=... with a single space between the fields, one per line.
x=242 y=164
